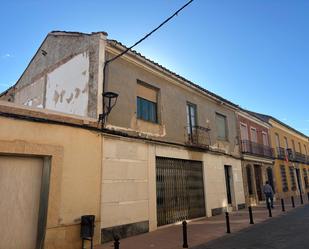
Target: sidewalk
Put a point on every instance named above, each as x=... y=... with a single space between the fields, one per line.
x=202 y=230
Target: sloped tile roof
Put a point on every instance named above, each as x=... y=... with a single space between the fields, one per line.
x=115 y=42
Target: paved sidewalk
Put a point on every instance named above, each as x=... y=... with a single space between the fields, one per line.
x=290 y=231
x=200 y=231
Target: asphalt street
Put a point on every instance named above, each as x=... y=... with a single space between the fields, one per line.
x=288 y=231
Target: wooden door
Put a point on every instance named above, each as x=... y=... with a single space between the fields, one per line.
x=258 y=181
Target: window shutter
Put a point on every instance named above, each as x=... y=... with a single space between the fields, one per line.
x=147 y=93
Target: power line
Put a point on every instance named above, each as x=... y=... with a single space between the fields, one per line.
x=102 y=116
x=150 y=33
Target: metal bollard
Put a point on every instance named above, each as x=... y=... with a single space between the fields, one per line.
x=269 y=209
x=250 y=215
x=282 y=205
x=116 y=242
x=184 y=233
x=227 y=218
x=292 y=200
x=301 y=199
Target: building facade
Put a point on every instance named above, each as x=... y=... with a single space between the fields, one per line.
x=257 y=156
x=171 y=151
x=291 y=158
x=50 y=173
x=292 y=164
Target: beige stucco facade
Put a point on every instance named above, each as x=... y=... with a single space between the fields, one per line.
x=129 y=180
x=110 y=176
x=75 y=164
x=117 y=170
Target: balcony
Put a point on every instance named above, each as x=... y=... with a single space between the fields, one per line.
x=197 y=136
x=281 y=153
x=292 y=155
x=253 y=148
x=299 y=157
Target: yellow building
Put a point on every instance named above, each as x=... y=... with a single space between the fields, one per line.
x=291 y=166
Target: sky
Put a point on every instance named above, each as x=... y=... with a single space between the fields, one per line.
x=254 y=53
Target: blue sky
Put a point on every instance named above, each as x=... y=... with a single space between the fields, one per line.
x=254 y=53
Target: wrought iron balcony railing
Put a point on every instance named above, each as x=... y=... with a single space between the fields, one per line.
x=291 y=155
x=249 y=147
x=299 y=157
x=198 y=136
x=281 y=153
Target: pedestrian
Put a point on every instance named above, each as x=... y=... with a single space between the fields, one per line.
x=269 y=194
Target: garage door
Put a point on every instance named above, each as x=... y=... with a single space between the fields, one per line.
x=180 y=190
x=20 y=186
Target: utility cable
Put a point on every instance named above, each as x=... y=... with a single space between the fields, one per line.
x=102 y=116
x=150 y=33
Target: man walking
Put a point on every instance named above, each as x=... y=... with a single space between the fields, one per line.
x=269 y=194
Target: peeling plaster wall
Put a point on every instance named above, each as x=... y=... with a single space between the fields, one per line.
x=58 y=49
x=32 y=95
x=67 y=86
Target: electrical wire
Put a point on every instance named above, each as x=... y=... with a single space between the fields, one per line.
x=102 y=117
x=150 y=33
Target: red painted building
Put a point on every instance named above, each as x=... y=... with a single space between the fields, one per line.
x=257 y=156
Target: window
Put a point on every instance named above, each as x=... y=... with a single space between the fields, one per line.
x=284 y=181
x=244 y=138
x=191 y=117
x=293 y=144
x=292 y=175
x=146 y=103
x=286 y=143
x=277 y=140
x=305 y=147
x=253 y=134
x=243 y=131
x=299 y=147
x=265 y=138
x=221 y=126
x=146 y=110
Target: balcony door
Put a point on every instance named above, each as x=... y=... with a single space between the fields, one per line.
x=191 y=121
x=244 y=137
x=253 y=134
x=266 y=149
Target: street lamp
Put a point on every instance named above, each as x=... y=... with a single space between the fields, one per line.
x=110 y=99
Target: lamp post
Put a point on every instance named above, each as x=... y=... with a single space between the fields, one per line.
x=110 y=100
